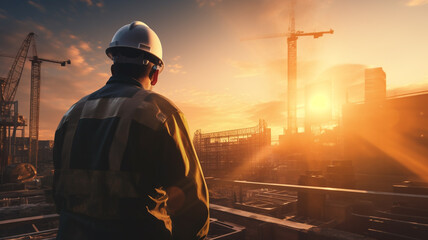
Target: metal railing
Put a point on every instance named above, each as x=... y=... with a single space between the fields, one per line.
x=354 y=193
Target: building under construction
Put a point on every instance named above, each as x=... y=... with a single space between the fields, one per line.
x=239 y=153
x=15 y=149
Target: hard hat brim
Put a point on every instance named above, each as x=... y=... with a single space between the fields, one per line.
x=120 y=50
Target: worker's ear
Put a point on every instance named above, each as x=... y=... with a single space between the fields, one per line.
x=154 y=73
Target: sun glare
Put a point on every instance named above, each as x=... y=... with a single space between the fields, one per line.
x=319 y=103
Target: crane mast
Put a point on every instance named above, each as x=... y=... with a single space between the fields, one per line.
x=292 y=74
x=33 y=135
x=9 y=118
x=292 y=68
x=292 y=36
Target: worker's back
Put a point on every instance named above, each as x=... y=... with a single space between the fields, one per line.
x=117 y=152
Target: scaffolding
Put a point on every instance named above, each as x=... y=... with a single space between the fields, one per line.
x=10 y=124
x=239 y=153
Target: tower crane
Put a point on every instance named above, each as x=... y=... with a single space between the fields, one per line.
x=8 y=91
x=8 y=88
x=33 y=135
x=292 y=36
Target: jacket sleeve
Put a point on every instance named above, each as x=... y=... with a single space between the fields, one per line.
x=183 y=179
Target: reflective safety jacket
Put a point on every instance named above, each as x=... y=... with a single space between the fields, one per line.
x=125 y=167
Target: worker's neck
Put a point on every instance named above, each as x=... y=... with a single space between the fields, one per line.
x=145 y=82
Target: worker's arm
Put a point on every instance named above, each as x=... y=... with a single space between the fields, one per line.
x=184 y=182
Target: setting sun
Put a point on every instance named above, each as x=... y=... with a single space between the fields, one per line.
x=319 y=103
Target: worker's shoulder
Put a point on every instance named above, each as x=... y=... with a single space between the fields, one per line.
x=161 y=102
x=153 y=108
x=74 y=111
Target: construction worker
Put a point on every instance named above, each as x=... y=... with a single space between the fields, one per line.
x=125 y=167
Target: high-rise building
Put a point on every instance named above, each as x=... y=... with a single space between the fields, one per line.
x=375 y=85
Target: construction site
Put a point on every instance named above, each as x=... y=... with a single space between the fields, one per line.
x=235 y=154
x=357 y=174
x=19 y=155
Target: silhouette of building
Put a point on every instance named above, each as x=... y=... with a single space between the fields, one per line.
x=375 y=85
x=387 y=141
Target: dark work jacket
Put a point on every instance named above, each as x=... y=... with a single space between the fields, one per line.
x=119 y=154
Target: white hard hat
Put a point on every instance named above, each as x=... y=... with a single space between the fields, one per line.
x=137 y=35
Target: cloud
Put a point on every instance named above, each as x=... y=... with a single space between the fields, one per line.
x=3 y=14
x=211 y=118
x=222 y=116
x=346 y=77
x=246 y=68
x=266 y=17
x=212 y=111
x=61 y=86
x=100 y=4
x=90 y=3
x=79 y=63
x=414 y=3
x=48 y=33
x=176 y=68
x=176 y=58
x=210 y=3
x=19 y=29
x=38 y=6
x=85 y=46
x=274 y=112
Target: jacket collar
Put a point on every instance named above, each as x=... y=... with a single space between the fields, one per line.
x=124 y=80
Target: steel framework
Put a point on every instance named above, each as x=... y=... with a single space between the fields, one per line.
x=33 y=135
x=10 y=121
x=235 y=153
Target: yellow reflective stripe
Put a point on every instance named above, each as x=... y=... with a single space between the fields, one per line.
x=72 y=118
x=146 y=114
x=127 y=109
x=120 y=139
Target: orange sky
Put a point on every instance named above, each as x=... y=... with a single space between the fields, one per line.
x=219 y=81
